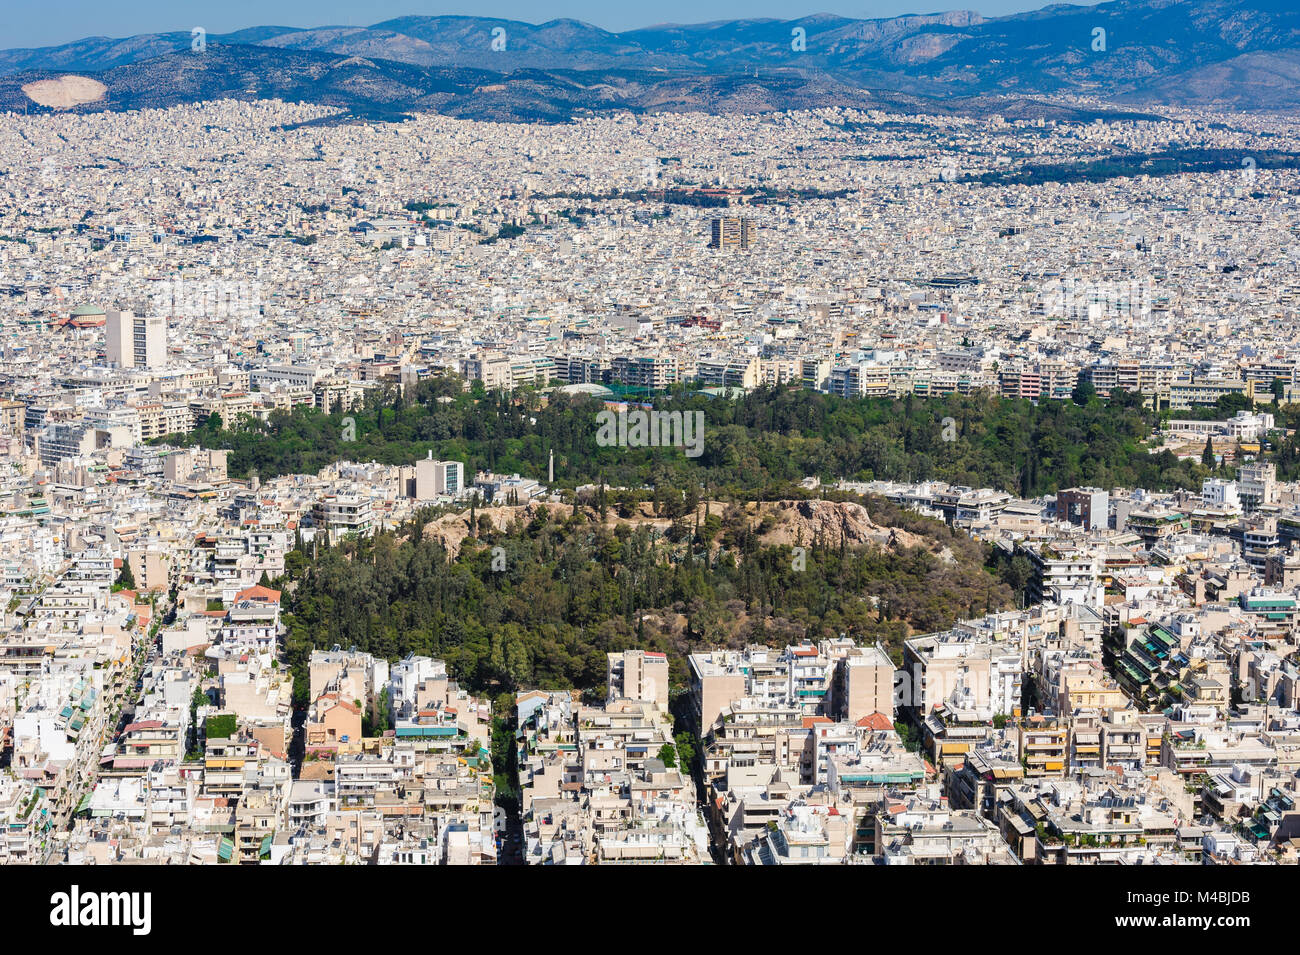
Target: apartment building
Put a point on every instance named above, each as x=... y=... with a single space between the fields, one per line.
x=132 y=341
x=732 y=232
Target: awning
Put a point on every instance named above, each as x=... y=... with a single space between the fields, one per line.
x=225 y=849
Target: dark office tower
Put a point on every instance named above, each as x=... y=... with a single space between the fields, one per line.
x=732 y=233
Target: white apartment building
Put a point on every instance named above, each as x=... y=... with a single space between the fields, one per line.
x=133 y=341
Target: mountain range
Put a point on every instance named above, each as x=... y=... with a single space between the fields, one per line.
x=1130 y=53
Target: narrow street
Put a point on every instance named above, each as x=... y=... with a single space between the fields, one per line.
x=86 y=775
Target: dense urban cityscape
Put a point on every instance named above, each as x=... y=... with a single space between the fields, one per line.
x=808 y=486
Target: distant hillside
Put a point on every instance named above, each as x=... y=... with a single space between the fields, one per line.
x=1238 y=53
x=387 y=89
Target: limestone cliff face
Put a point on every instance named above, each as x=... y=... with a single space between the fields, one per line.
x=777 y=523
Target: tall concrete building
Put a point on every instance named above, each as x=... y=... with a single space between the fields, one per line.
x=730 y=232
x=638 y=675
x=437 y=478
x=717 y=678
x=863 y=685
x=133 y=341
x=1085 y=506
x=449 y=477
x=1257 y=485
x=493 y=370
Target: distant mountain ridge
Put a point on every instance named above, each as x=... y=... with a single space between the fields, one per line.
x=1239 y=53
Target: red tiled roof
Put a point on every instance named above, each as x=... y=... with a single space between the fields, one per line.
x=258 y=592
x=876 y=721
x=143 y=725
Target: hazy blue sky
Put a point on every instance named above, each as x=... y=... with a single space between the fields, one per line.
x=50 y=22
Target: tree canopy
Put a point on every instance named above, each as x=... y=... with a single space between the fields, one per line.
x=755 y=446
